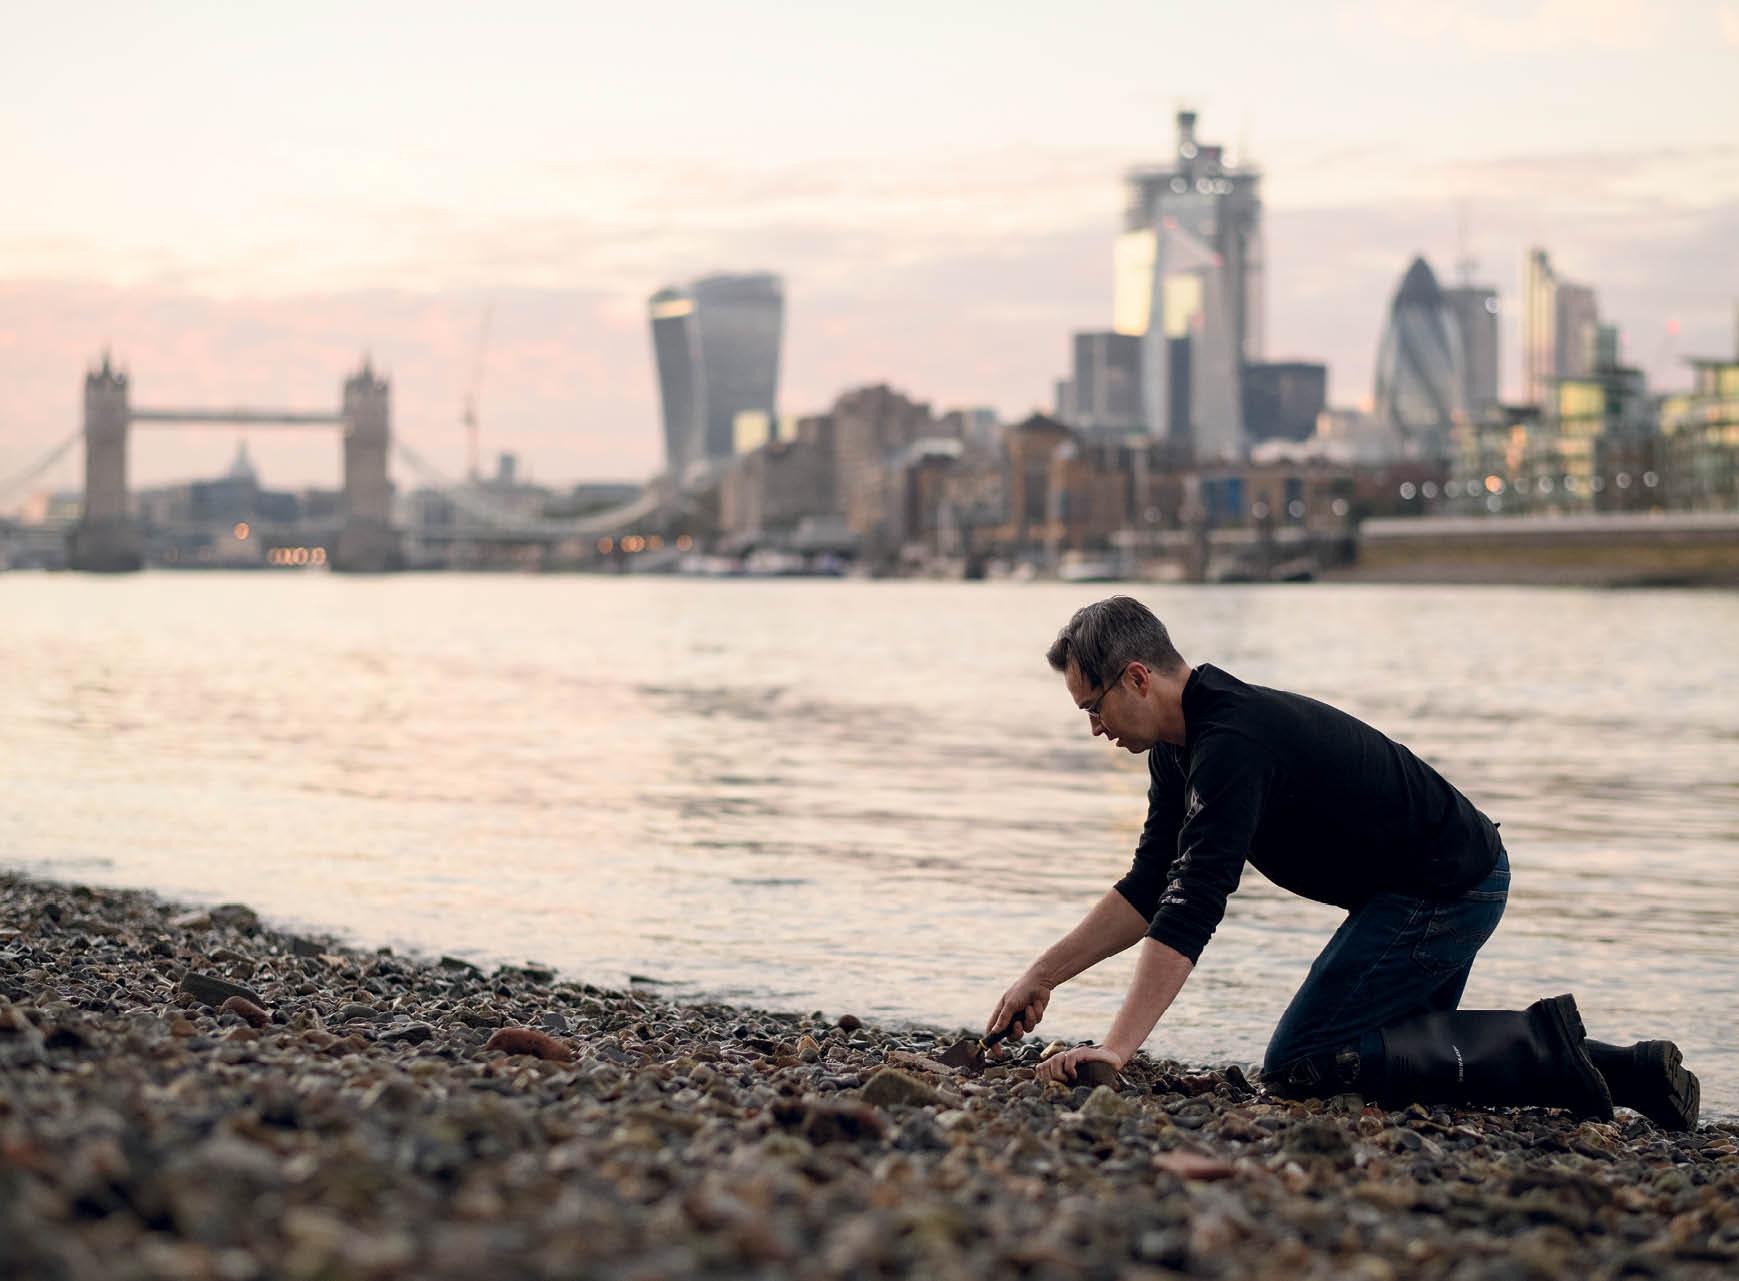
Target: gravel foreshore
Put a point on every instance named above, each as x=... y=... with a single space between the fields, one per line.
x=188 y=1093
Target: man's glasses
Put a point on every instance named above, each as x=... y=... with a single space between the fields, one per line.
x=1092 y=709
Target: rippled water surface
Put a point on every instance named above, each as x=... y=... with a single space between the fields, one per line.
x=853 y=795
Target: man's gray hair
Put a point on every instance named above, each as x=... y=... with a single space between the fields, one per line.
x=1105 y=637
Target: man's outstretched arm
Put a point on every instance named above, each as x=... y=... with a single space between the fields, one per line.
x=1160 y=974
x=1111 y=927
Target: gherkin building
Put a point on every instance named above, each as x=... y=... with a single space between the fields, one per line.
x=1420 y=383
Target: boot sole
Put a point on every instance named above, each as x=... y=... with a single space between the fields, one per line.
x=1595 y=1099
x=1674 y=1095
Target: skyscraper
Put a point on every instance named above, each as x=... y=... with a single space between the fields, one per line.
x=1105 y=393
x=1559 y=322
x=1475 y=308
x=1420 y=368
x=716 y=341
x=1189 y=283
x=675 y=349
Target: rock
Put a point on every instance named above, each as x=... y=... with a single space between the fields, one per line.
x=406 y=1034
x=918 y=1062
x=304 y=947
x=891 y=1087
x=808 y=1049
x=253 y=1014
x=213 y=991
x=459 y=963
x=525 y=1040
x=355 y=1010
x=822 y=1123
x=1105 y=1104
x=1193 y=1166
x=1096 y=1073
x=920 y=1133
x=235 y=916
x=1316 y=1136
x=849 y=1023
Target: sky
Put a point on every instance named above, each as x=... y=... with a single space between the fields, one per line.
x=244 y=201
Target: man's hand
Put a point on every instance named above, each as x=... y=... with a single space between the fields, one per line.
x=1062 y=1067
x=1024 y=1002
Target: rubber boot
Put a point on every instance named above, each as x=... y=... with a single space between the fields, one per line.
x=1496 y=1058
x=1650 y=1077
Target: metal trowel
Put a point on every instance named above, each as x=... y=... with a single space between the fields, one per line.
x=970 y=1054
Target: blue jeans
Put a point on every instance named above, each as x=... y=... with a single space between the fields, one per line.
x=1393 y=957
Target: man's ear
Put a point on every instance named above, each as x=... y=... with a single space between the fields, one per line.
x=1141 y=675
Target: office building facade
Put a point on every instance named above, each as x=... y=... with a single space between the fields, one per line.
x=1189 y=283
x=1105 y=391
x=1282 y=399
x=1560 y=320
x=1476 y=312
x=716 y=341
x=1420 y=367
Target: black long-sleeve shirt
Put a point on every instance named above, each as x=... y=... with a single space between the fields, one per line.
x=1318 y=801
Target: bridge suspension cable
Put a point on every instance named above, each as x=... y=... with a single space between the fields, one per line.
x=495 y=516
x=18 y=480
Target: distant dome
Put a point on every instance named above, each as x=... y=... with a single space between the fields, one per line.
x=1419 y=286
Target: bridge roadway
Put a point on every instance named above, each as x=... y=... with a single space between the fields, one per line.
x=233 y=417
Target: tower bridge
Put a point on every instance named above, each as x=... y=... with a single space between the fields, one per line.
x=107 y=538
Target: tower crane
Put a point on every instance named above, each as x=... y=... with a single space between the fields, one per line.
x=473 y=391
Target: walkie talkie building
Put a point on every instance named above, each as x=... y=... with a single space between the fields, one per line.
x=716 y=341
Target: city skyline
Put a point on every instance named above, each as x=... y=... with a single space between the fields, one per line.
x=947 y=242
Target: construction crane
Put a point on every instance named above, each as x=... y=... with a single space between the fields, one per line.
x=473 y=391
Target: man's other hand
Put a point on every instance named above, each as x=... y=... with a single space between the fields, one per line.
x=1025 y=1003
x=1062 y=1067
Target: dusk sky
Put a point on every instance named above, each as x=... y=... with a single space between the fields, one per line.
x=241 y=200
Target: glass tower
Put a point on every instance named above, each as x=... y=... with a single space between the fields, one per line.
x=716 y=341
x=1189 y=283
x=1421 y=370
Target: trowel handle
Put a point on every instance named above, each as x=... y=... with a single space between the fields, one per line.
x=994 y=1037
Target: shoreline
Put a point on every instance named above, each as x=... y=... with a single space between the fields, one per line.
x=347 y=1117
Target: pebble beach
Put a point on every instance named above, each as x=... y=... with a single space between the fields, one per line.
x=186 y=1092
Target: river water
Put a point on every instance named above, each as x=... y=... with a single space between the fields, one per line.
x=854 y=796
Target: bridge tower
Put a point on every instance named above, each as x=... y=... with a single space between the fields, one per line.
x=367 y=543
x=105 y=539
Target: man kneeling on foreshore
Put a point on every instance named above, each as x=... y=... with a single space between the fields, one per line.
x=1329 y=808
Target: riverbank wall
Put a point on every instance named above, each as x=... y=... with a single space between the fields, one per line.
x=1640 y=550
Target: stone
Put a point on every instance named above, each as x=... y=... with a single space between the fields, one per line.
x=808 y=1049
x=525 y=1040
x=891 y=1087
x=210 y=990
x=355 y=1010
x=406 y=1034
x=235 y=916
x=251 y=1013
x=1193 y=1166
x=1105 y=1104
x=849 y=1023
